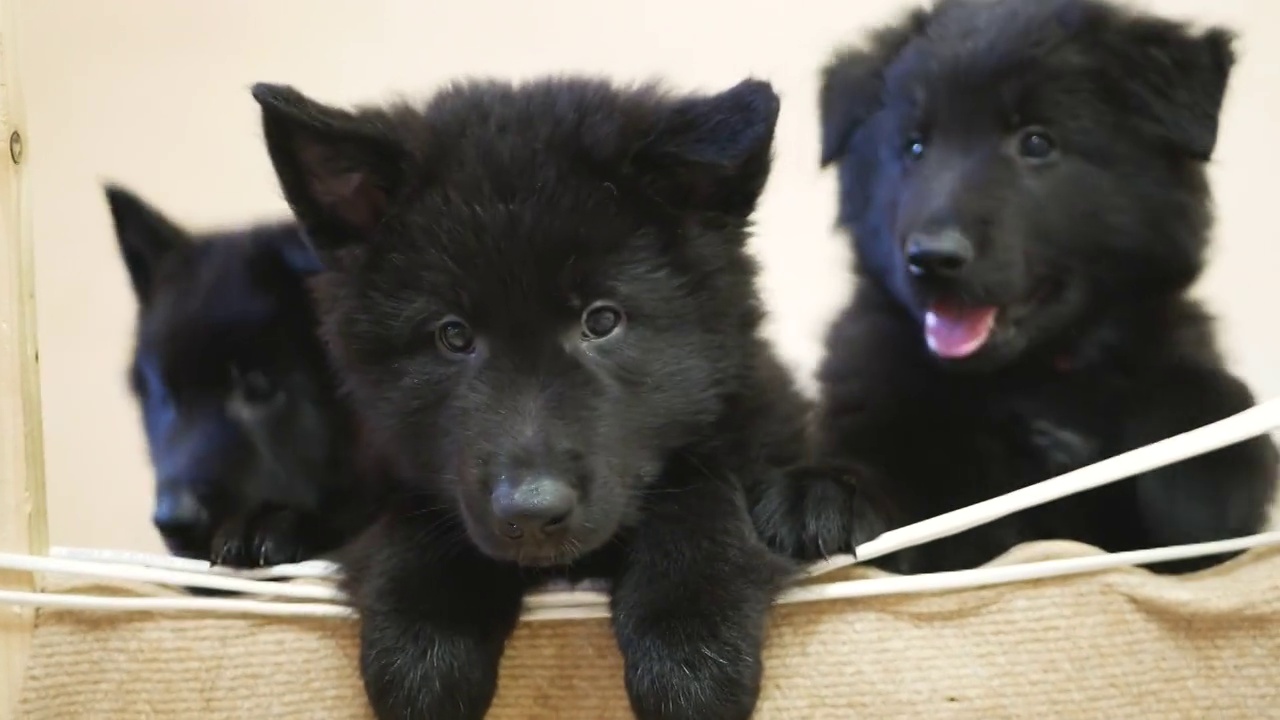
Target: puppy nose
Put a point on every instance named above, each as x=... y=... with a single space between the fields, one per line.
x=534 y=508
x=938 y=254
x=178 y=513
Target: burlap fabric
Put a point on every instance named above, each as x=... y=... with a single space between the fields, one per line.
x=1118 y=644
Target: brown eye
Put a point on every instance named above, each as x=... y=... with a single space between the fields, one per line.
x=914 y=147
x=454 y=336
x=1036 y=144
x=600 y=321
x=255 y=385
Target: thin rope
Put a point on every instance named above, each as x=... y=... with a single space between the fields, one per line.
x=584 y=606
x=1255 y=421
x=554 y=604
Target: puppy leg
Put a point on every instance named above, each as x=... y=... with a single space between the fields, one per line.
x=433 y=626
x=691 y=605
x=1223 y=494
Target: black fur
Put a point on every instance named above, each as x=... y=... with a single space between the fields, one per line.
x=1045 y=160
x=251 y=446
x=491 y=222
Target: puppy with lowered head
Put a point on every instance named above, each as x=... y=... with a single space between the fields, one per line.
x=540 y=299
x=255 y=454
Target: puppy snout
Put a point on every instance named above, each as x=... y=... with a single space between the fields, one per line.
x=178 y=512
x=941 y=254
x=533 y=508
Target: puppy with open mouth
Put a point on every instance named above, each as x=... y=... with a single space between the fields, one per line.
x=1025 y=190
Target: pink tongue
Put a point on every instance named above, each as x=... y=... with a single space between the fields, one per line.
x=956 y=332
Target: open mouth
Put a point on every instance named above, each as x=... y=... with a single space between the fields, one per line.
x=955 y=331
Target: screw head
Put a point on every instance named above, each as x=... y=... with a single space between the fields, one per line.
x=15 y=147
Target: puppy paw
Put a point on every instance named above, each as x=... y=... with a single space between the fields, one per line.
x=682 y=674
x=263 y=539
x=1062 y=448
x=817 y=511
x=429 y=668
x=437 y=680
x=694 y=687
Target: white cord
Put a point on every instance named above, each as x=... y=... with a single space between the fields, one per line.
x=597 y=606
x=139 y=573
x=316 y=569
x=1258 y=420
x=167 y=570
x=232 y=606
x=145 y=567
x=1022 y=572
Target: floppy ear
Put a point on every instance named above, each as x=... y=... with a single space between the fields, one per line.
x=145 y=238
x=1172 y=80
x=853 y=82
x=338 y=170
x=712 y=152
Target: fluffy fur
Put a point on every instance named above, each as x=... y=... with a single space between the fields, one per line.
x=541 y=297
x=1024 y=184
x=252 y=448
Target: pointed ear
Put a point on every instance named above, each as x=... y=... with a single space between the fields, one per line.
x=338 y=170
x=1172 y=80
x=853 y=83
x=712 y=153
x=145 y=238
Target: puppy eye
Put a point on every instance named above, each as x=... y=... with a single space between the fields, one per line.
x=255 y=385
x=1036 y=144
x=600 y=321
x=915 y=146
x=455 y=337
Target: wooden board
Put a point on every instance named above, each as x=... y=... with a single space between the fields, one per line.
x=22 y=509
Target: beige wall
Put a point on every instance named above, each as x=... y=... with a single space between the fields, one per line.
x=153 y=93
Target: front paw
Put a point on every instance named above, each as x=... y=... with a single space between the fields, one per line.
x=692 y=638
x=1062 y=448
x=410 y=673
x=264 y=538
x=680 y=674
x=814 y=512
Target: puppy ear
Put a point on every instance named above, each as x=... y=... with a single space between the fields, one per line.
x=712 y=152
x=1172 y=80
x=338 y=170
x=145 y=238
x=853 y=82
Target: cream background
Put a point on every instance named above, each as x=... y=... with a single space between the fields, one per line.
x=154 y=94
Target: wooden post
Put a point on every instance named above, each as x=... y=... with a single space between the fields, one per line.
x=23 y=523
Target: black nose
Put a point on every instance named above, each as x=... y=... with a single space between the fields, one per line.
x=535 y=508
x=179 y=514
x=938 y=254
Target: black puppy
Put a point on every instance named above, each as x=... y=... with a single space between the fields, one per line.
x=541 y=299
x=1024 y=183
x=251 y=445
